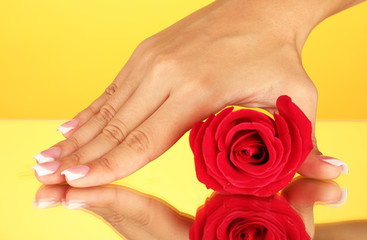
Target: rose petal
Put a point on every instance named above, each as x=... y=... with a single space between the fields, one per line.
x=200 y=166
x=231 y=216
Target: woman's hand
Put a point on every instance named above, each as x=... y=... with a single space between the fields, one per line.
x=231 y=52
x=138 y=216
x=132 y=214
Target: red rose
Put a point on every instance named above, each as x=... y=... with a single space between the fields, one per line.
x=247 y=152
x=247 y=217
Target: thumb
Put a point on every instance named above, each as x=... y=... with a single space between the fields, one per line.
x=303 y=193
x=319 y=166
x=316 y=165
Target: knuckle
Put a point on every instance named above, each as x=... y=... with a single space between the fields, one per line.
x=165 y=61
x=145 y=44
x=74 y=142
x=306 y=89
x=107 y=112
x=138 y=141
x=303 y=85
x=75 y=158
x=313 y=90
x=199 y=90
x=142 y=218
x=107 y=164
x=111 y=89
x=144 y=50
x=116 y=131
x=92 y=109
x=115 y=219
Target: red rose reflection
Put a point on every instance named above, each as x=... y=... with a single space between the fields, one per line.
x=247 y=152
x=247 y=217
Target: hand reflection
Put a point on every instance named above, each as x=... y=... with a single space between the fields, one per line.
x=303 y=193
x=132 y=214
x=279 y=217
x=138 y=216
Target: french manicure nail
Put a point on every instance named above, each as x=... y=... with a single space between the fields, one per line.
x=73 y=204
x=68 y=126
x=75 y=172
x=48 y=155
x=46 y=168
x=342 y=200
x=45 y=203
x=336 y=162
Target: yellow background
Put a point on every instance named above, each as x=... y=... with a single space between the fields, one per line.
x=58 y=56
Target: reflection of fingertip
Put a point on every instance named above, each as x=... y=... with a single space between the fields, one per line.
x=342 y=200
x=73 y=204
x=336 y=162
x=45 y=203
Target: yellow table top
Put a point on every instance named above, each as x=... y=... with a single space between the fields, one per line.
x=170 y=178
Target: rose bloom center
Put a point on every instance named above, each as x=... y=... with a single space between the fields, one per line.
x=248 y=147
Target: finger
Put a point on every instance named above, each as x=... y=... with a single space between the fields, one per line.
x=133 y=214
x=71 y=127
x=91 y=110
x=122 y=83
x=142 y=104
x=95 y=125
x=50 y=196
x=322 y=167
x=46 y=170
x=304 y=192
x=143 y=144
x=94 y=108
x=316 y=165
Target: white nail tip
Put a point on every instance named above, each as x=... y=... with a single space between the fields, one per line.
x=72 y=176
x=337 y=162
x=64 y=130
x=343 y=199
x=44 y=203
x=73 y=205
x=41 y=171
x=42 y=159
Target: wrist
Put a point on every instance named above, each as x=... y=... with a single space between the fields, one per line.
x=290 y=20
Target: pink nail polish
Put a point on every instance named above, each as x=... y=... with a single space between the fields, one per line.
x=68 y=126
x=75 y=172
x=46 y=168
x=48 y=155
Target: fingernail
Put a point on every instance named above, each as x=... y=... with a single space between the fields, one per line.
x=48 y=155
x=74 y=204
x=45 y=203
x=46 y=168
x=342 y=200
x=336 y=162
x=68 y=126
x=75 y=172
